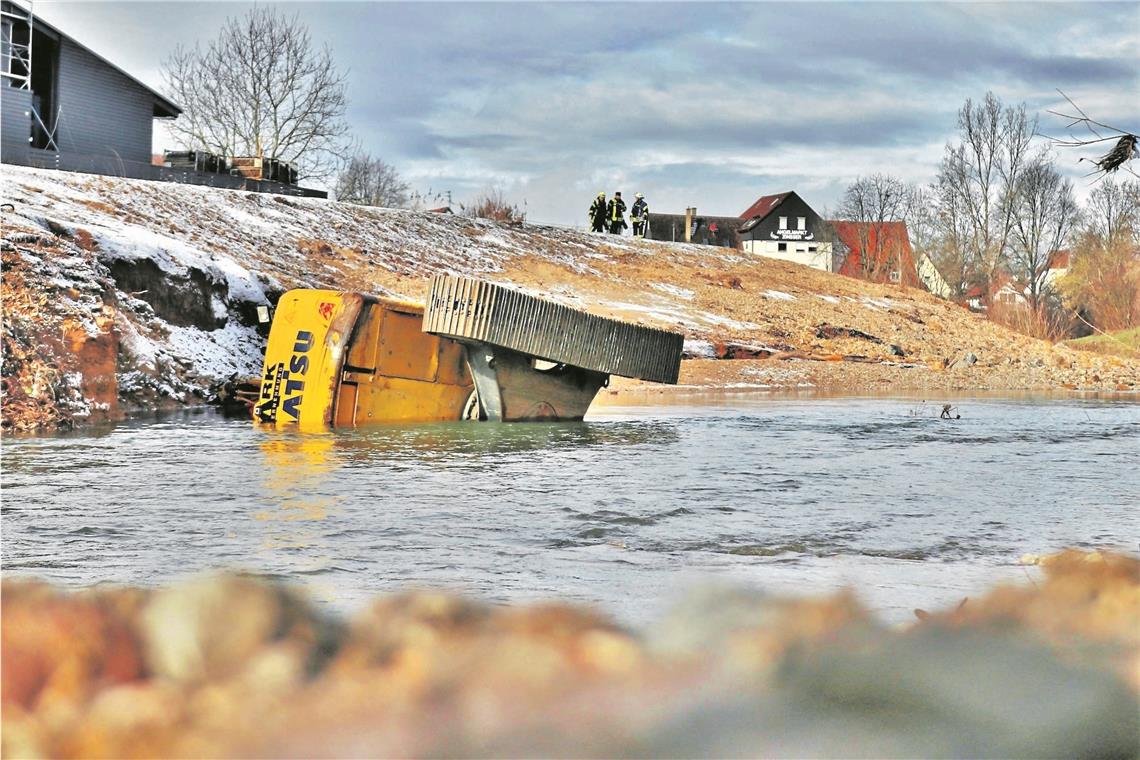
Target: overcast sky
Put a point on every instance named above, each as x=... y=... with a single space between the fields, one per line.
x=705 y=104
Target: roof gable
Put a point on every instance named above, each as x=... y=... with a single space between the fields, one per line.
x=163 y=106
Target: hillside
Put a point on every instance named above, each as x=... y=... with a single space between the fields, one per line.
x=125 y=295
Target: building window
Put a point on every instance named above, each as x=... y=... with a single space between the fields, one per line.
x=781 y=246
x=811 y=249
x=895 y=276
x=799 y=249
x=801 y=222
x=783 y=222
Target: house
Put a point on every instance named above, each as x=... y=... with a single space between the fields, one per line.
x=1006 y=291
x=932 y=278
x=64 y=105
x=876 y=251
x=1057 y=267
x=783 y=226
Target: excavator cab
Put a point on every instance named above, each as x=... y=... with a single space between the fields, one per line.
x=342 y=359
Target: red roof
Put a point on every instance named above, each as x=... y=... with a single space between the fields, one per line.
x=763 y=206
x=884 y=240
x=1059 y=259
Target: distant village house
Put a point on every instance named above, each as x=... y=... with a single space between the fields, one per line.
x=783 y=226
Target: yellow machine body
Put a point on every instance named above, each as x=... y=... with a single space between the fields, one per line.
x=343 y=359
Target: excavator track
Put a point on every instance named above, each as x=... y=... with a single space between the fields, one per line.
x=472 y=310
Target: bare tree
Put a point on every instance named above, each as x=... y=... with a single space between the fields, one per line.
x=1103 y=284
x=921 y=221
x=976 y=182
x=1044 y=213
x=953 y=230
x=873 y=202
x=370 y=181
x=1113 y=211
x=261 y=89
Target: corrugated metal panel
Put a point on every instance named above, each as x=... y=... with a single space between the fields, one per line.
x=15 y=124
x=469 y=309
x=102 y=111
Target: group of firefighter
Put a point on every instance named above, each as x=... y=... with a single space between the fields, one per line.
x=610 y=216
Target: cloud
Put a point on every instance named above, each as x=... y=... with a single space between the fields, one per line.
x=712 y=104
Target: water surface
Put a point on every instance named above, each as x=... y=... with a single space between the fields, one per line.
x=625 y=510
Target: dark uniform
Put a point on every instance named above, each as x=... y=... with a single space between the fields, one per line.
x=598 y=214
x=639 y=215
x=615 y=213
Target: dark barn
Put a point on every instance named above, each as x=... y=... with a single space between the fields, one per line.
x=64 y=106
x=71 y=108
x=707 y=230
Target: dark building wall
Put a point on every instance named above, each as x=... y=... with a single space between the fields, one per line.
x=15 y=124
x=792 y=207
x=710 y=230
x=102 y=112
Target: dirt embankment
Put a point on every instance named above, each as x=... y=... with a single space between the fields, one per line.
x=165 y=279
x=232 y=666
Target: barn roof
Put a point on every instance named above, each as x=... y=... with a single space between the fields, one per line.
x=164 y=107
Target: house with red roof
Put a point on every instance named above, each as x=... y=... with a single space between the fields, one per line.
x=881 y=252
x=1012 y=293
x=783 y=226
x=876 y=251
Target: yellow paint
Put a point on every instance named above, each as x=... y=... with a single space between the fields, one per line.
x=345 y=359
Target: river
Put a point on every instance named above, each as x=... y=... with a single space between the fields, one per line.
x=626 y=510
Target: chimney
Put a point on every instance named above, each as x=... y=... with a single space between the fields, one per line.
x=690 y=212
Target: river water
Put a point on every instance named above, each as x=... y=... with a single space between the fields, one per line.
x=627 y=510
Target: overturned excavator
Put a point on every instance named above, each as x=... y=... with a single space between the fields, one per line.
x=476 y=350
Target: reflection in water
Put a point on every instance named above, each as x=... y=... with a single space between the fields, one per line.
x=459 y=441
x=295 y=474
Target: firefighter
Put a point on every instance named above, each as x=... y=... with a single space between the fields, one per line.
x=615 y=213
x=639 y=215
x=598 y=213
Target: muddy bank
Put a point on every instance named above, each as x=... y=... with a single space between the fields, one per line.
x=810 y=375
x=125 y=295
x=234 y=666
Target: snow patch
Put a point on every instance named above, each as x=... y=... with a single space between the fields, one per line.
x=672 y=290
x=779 y=295
x=699 y=349
x=218 y=353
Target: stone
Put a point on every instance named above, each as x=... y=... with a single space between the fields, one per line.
x=213 y=626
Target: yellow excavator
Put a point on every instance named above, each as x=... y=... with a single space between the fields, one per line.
x=475 y=350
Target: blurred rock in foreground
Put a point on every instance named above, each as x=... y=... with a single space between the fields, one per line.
x=233 y=666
